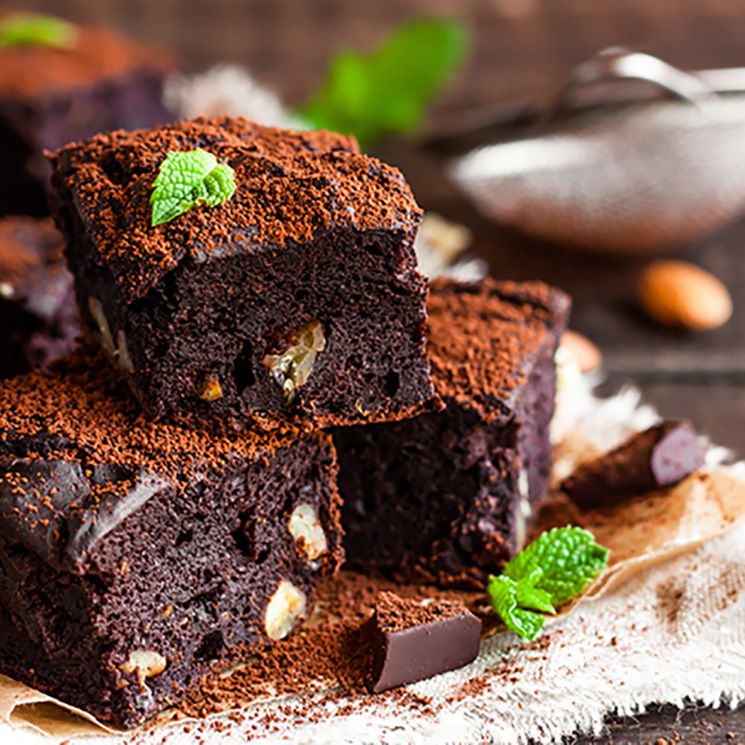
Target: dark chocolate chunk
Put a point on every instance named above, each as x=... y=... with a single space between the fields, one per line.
x=296 y=302
x=140 y=555
x=411 y=641
x=660 y=456
x=445 y=497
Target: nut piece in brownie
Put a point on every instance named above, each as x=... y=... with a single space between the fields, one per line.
x=133 y=555
x=295 y=301
x=38 y=315
x=444 y=497
x=53 y=93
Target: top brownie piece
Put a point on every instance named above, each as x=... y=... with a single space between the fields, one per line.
x=297 y=301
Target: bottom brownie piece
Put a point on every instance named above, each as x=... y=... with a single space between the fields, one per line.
x=38 y=315
x=135 y=556
x=445 y=497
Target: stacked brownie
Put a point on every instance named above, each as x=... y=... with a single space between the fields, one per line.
x=134 y=554
x=170 y=531
x=55 y=90
x=167 y=494
x=446 y=497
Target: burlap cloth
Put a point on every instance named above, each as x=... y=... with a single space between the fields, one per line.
x=665 y=624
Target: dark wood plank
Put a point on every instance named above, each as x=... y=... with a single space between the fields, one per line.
x=717 y=409
x=668 y=725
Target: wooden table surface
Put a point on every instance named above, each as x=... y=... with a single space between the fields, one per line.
x=520 y=47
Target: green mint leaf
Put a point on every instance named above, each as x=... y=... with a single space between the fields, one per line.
x=502 y=592
x=530 y=596
x=569 y=559
x=186 y=180
x=550 y=571
x=387 y=90
x=32 y=29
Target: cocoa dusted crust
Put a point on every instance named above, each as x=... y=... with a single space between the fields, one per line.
x=120 y=536
x=38 y=316
x=49 y=97
x=440 y=498
x=317 y=235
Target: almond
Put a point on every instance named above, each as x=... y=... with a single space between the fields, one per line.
x=586 y=355
x=675 y=293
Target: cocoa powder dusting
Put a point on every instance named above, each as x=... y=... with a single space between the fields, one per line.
x=290 y=187
x=480 y=367
x=396 y=614
x=327 y=653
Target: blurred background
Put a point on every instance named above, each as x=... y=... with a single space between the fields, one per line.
x=519 y=50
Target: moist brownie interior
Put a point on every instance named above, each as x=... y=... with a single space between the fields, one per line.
x=314 y=251
x=444 y=497
x=133 y=555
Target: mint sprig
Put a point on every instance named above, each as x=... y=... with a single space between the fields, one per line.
x=387 y=90
x=35 y=29
x=549 y=572
x=186 y=179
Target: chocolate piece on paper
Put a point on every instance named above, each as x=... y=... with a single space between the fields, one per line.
x=660 y=456
x=411 y=641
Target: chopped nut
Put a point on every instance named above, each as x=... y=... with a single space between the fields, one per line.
x=211 y=390
x=286 y=607
x=125 y=361
x=360 y=409
x=96 y=311
x=305 y=528
x=292 y=368
x=144 y=662
x=167 y=612
x=675 y=293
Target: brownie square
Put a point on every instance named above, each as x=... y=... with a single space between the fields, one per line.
x=445 y=497
x=135 y=556
x=295 y=302
x=38 y=315
x=50 y=96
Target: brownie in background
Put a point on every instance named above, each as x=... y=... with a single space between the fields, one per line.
x=51 y=96
x=38 y=315
x=136 y=556
x=295 y=302
x=445 y=497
